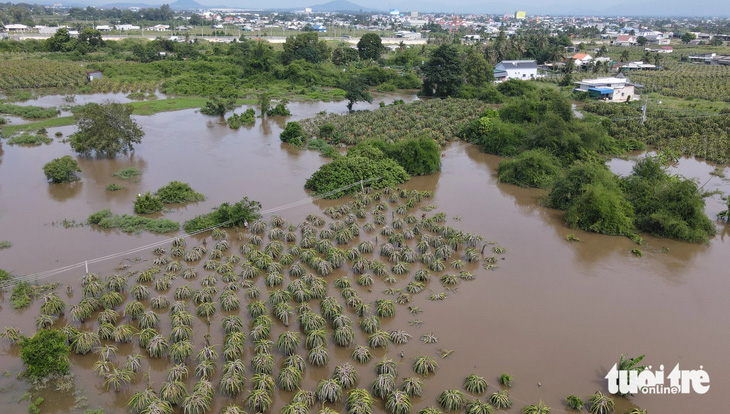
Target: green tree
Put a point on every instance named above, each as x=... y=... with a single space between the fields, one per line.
x=344 y=55
x=477 y=71
x=91 y=39
x=45 y=353
x=370 y=46
x=106 y=129
x=61 y=41
x=624 y=55
x=264 y=102
x=346 y=171
x=642 y=41
x=62 y=170
x=356 y=91
x=218 y=106
x=688 y=37
x=293 y=134
x=533 y=168
x=305 y=46
x=443 y=73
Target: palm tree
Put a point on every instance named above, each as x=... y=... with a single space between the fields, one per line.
x=599 y=403
x=540 y=408
x=289 y=378
x=53 y=305
x=398 y=403
x=173 y=392
x=141 y=400
x=288 y=342
x=452 y=400
x=133 y=363
x=378 y=339
x=424 y=365
x=475 y=384
x=157 y=347
x=258 y=401
x=500 y=400
x=123 y=333
x=177 y=372
x=206 y=310
x=318 y=356
x=412 y=386
x=44 y=321
x=196 y=403
x=506 y=380
x=181 y=351
x=636 y=410
x=359 y=401
x=262 y=363
x=383 y=385
x=630 y=364
x=84 y=342
x=478 y=407
x=148 y=319
x=346 y=375
x=117 y=378
x=295 y=361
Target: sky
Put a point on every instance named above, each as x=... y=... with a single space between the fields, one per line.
x=532 y=7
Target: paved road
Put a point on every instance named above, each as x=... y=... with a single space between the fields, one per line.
x=227 y=39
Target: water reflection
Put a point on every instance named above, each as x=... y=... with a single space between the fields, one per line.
x=64 y=191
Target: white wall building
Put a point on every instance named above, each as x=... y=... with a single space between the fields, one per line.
x=515 y=69
x=616 y=89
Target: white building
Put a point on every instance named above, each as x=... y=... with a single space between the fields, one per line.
x=515 y=69
x=126 y=27
x=617 y=89
x=582 y=59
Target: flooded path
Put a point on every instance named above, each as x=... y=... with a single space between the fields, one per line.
x=555 y=312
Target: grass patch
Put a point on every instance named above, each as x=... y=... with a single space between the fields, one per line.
x=30 y=139
x=131 y=224
x=10 y=130
x=226 y=215
x=127 y=173
x=114 y=187
x=5 y=244
x=28 y=112
x=164 y=105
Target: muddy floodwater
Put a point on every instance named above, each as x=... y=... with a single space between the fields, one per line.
x=555 y=314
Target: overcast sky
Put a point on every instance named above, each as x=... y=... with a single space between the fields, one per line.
x=532 y=7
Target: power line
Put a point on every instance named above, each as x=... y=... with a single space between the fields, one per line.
x=64 y=269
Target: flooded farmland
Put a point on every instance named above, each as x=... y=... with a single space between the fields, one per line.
x=555 y=314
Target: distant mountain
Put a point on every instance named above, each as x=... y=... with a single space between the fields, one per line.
x=341 y=6
x=187 y=5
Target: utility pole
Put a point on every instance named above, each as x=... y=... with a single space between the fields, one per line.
x=643 y=110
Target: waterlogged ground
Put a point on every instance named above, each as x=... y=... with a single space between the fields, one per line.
x=555 y=314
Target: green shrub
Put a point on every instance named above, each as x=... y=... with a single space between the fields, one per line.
x=293 y=134
x=29 y=111
x=344 y=171
x=62 y=170
x=602 y=210
x=131 y=224
x=323 y=147
x=326 y=131
x=147 y=203
x=178 y=192
x=279 y=110
x=572 y=185
x=533 y=168
x=418 y=156
x=114 y=187
x=5 y=244
x=667 y=206
x=495 y=136
x=5 y=275
x=45 y=353
x=226 y=215
x=29 y=139
x=247 y=118
x=127 y=173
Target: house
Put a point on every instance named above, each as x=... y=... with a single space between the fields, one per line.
x=103 y=28
x=160 y=27
x=319 y=28
x=639 y=65
x=94 y=75
x=657 y=39
x=515 y=69
x=581 y=59
x=665 y=49
x=16 y=28
x=624 y=40
x=616 y=89
x=126 y=27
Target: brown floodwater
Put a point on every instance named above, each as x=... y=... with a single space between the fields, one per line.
x=555 y=314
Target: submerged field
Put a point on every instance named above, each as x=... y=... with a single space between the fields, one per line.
x=548 y=312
